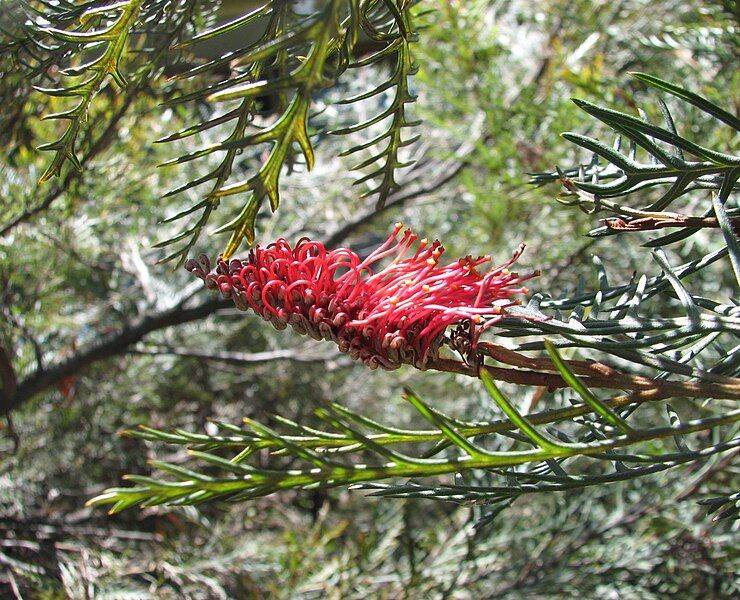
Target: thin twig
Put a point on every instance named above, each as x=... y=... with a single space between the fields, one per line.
x=719 y=467
x=553 y=381
x=669 y=220
x=14 y=584
x=238 y=358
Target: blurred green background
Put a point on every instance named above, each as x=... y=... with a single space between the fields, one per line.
x=494 y=89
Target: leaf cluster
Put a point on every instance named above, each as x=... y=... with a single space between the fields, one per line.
x=453 y=446
x=294 y=57
x=615 y=173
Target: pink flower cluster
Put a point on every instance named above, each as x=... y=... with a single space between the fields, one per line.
x=397 y=315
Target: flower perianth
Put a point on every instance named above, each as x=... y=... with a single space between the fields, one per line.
x=397 y=315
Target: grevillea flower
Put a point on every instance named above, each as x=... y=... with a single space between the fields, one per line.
x=385 y=318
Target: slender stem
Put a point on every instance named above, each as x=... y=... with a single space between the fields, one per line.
x=266 y=481
x=669 y=220
x=335 y=444
x=595 y=375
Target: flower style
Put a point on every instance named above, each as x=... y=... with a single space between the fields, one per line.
x=397 y=315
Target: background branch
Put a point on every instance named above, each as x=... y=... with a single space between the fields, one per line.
x=110 y=345
x=300 y=355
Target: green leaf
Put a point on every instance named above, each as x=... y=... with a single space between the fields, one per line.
x=229 y=26
x=628 y=122
x=574 y=382
x=698 y=101
x=113 y=39
x=543 y=441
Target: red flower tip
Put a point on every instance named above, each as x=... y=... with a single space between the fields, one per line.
x=386 y=318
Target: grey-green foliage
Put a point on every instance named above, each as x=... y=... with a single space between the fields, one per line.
x=294 y=57
x=70 y=277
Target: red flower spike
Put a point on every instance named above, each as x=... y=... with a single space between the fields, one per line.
x=397 y=315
